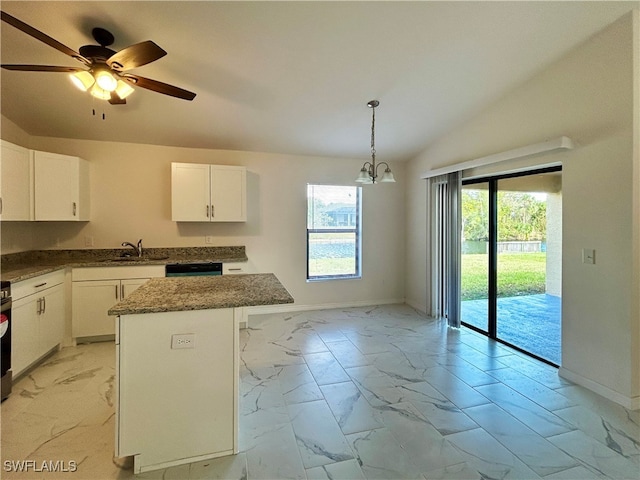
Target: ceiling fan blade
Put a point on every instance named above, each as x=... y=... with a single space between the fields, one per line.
x=159 y=87
x=116 y=100
x=38 y=35
x=136 y=56
x=42 y=68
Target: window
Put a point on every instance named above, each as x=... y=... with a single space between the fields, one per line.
x=333 y=232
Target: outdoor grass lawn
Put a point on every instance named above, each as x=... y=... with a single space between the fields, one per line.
x=518 y=274
x=332 y=266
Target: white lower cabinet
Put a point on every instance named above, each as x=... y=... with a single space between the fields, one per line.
x=177 y=402
x=239 y=268
x=95 y=290
x=37 y=318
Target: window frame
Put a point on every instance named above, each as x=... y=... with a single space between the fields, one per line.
x=357 y=231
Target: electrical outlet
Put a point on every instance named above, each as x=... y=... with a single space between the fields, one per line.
x=183 y=340
x=88 y=241
x=209 y=240
x=588 y=256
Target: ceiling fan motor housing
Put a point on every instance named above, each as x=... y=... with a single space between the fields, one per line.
x=96 y=53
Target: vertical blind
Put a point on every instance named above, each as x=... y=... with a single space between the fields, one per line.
x=445 y=219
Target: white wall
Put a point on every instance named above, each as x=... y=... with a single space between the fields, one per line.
x=130 y=199
x=589 y=96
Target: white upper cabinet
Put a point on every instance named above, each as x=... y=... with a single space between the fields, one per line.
x=208 y=193
x=61 y=187
x=15 y=182
x=190 y=192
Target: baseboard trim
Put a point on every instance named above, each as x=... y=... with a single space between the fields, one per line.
x=631 y=403
x=292 y=307
x=422 y=308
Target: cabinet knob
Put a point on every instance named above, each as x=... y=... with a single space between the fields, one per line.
x=74 y=209
x=207 y=211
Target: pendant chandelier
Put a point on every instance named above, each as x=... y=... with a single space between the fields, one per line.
x=369 y=171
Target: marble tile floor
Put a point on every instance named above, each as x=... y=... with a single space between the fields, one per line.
x=376 y=393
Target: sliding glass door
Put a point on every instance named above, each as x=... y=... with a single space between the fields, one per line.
x=511 y=262
x=474 y=270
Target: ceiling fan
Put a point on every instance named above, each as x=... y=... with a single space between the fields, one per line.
x=105 y=74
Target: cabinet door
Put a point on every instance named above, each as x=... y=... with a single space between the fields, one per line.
x=57 y=182
x=24 y=332
x=228 y=194
x=15 y=182
x=190 y=197
x=129 y=286
x=51 y=318
x=91 y=300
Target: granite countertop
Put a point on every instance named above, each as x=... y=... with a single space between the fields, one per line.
x=24 y=265
x=176 y=294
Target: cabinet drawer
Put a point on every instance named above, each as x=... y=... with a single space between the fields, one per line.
x=36 y=284
x=234 y=268
x=117 y=273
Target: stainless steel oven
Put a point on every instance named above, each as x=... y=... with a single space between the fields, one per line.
x=5 y=339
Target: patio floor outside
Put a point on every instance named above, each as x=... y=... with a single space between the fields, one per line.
x=531 y=322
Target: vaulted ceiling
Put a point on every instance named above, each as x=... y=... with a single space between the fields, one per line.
x=292 y=77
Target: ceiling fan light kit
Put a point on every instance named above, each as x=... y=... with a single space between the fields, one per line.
x=369 y=171
x=99 y=93
x=106 y=77
x=101 y=84
x=83 y=80
x=105 y=80
x=123 y=90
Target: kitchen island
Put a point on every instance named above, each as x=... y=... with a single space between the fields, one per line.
x=177 y=366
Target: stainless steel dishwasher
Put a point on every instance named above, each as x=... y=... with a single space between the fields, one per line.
x=203 y=269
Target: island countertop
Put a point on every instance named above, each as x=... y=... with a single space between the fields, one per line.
x=174 y=294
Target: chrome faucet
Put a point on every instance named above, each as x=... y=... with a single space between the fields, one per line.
x=137 y=249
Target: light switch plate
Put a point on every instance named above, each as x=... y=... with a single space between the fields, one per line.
x=183 y=340
x=588 y=256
